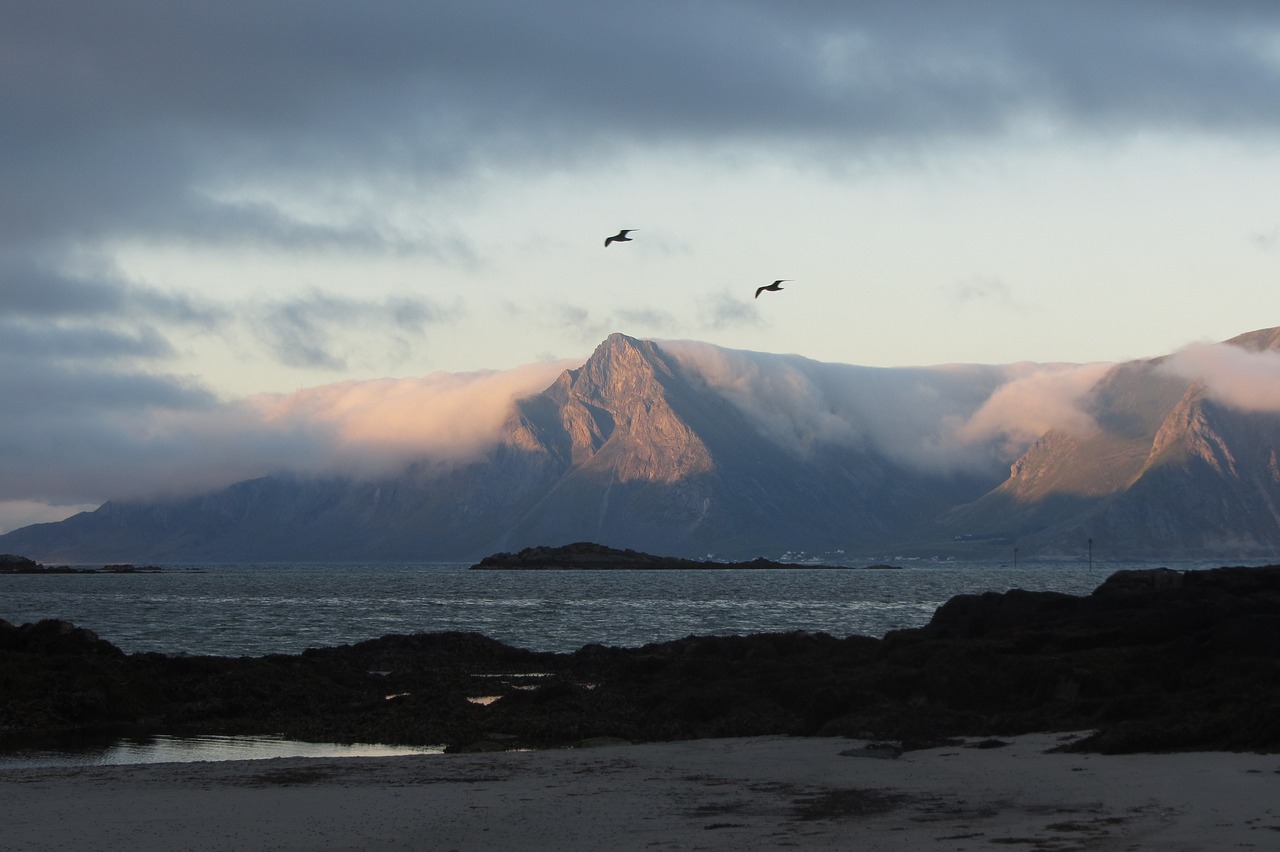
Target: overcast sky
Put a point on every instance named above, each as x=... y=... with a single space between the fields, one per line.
x=201 y=203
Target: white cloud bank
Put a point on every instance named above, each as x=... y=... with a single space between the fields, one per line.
x=1235 y=377
x=942 y=418
x=371 y=426
x=63 y=462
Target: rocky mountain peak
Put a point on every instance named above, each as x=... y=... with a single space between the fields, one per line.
x=621 y=369
x=617 y=414
x=1189 y=432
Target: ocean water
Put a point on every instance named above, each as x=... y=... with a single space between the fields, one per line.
x=251 y=610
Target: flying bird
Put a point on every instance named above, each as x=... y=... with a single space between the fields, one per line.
x=620 y=237
x=775 y=286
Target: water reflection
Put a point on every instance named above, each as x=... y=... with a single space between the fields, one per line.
x=166 y=749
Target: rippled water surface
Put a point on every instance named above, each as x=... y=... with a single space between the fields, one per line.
x=251 y=610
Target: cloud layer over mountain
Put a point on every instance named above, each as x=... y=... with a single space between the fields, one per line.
x=949 y=417
x=354 y=428
x=1232 y=376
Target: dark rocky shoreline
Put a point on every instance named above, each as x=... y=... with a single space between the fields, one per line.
x=1152 y=660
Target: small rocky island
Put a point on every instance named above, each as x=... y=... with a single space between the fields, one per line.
x=590 y=556
x=10 y=564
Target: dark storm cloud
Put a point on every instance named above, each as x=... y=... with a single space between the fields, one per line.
x=173 y=94
x=35 y=287
x=31 y=288
x=90 y=344
x=89 y=391
x=124 y=118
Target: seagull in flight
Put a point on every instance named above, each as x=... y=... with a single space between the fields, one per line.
x=775 y=286
x=620 y=237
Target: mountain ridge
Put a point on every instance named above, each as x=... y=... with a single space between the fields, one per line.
x=1173 y=471
x=642 y=449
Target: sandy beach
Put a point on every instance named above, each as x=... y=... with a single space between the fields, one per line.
x=740 y=794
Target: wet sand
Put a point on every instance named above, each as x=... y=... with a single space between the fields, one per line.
x=733 y=794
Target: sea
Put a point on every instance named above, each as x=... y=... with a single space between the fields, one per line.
x=270 y=608
x=257 y=609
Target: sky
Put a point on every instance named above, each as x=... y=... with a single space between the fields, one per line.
x=237 y=235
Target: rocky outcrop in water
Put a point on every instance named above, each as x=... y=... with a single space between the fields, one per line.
x=1151 y=660
x=588 y=555
x=10 y=564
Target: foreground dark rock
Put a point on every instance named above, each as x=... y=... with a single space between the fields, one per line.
x=1152 y=660
x=592 y=556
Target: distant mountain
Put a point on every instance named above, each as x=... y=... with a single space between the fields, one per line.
x=640 y=448
x=632 y=449
x=651 y=458
x=1169 y=472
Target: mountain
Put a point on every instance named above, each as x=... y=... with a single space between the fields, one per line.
x=632 y=449
x=654 y=459
x=650 y=447
x=1169 y=470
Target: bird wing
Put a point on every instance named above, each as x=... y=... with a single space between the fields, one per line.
x=758 y=289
